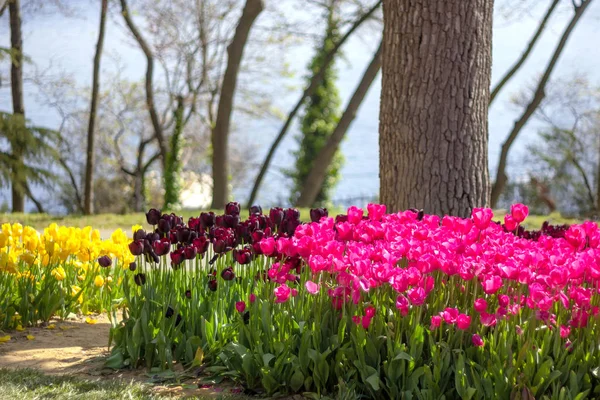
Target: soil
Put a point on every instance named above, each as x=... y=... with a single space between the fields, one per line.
x=74 y=347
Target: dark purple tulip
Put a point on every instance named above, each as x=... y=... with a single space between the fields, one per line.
x=172 y=235
x=169 y=312
x=255 y=209
x=153 y=216
x=232 y=208
x=162 y=247
x=207 y=219
x=188 y=294
x=140 y=279
x=231 y=221
x=105 y=261
x=190 y=252
x=152 y=237
x=193 y=235
x=136 y=247
x=183 y=235
x=292 y=214
x=178 y=319
x=132 y=266
x=140 y=234
x=220 y=221
x=220 y=246
x=317 y=213
x=212 y=285
x=177 y=257
x=276 y=215
x=164 y=226
x=228 y=274
x=246 y=317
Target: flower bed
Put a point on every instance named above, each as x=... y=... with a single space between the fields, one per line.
x=401 y=305
x=61 y=271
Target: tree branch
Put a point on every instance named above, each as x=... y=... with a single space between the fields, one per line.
x=509 y=74
x=314 y=82
x=539 y=94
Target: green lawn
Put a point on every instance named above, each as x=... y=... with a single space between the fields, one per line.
x=30 y=384
x=126 y=221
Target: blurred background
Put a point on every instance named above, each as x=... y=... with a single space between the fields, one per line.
x=161 y=153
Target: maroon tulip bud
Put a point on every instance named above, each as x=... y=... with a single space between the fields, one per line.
x=212 y=285
x=255 y=210
x=140 y=234
x=232 y=208
x=188 y=294
x=140 y=279
x=276 y=215
x=228 y=274
x=176 y=257
x=105 y=261
x=132 y=266
x=220 y=221
x=243 y=256
x=136 y=247
x=169 y=313
x=162 y=246
x=341 y=218
x=190 y=252
x=153 y=216
x=231 y=221
x=195 y=224
x=317 y=213
x=207 y=219
x=201 y=244
x=292 y=214
x=152 y=237
x=183 y=235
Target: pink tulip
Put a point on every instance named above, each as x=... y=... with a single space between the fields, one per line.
x=510 y=223
x=252 y=297
x=450 y=315
x=492 y=284
x=240 y=306
x=436 y=321
x=463 y=321
x=282 y=293
x=312 y=287
x=267 y=246
x=480 y=305
x=370 y=311
x=519 y=212
x=565 y=331
x=482 y=217
x=477 y=340
x=355 y=215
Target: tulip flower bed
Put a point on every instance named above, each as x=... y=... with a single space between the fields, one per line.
x=401 y=305
x=59 y=272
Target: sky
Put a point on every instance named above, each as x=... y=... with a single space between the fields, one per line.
x=69 y=42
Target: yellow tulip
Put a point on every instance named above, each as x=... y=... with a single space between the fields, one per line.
x=98 y=281
x=59 y=273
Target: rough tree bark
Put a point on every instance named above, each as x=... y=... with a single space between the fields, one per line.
x=318 y=173
x=220 y=133
x=313 y=84
x=538 y=96
x=433 y=134
x=16 y=85
x=513 y=70
x=88 y=207
x=156 y=125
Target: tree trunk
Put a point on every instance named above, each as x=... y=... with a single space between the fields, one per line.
x=89 y=165
x=433 y=133
x=310 y=89
x=510 y=73
x=16 y=82
x=318 y=172
x=156 y=125
x=220 y=133
x=538 y=96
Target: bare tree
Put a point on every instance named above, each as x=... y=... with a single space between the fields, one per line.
x=318 y=172
x=538 y=96
x=433 y=117
x=220 y=134
x=89 y=168
x=313 y=84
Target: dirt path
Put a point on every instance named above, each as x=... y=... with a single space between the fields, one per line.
x=75 y=347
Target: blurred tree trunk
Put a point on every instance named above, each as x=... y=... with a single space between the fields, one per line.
x=310 y=89
x=16 y=85
x=436 y=68
x=538 y=96
x=313 y=182
x=220 y=133
x=89 y=165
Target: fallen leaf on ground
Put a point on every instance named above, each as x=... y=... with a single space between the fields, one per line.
x=4 y=339
x=90 y=321
x=51 y=326
x=30 y=337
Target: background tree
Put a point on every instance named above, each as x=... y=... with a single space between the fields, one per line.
x=89 y=167
x=536 y=99
x=433 y=121
x=320 y=118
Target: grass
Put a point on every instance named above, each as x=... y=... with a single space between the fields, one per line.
x=126 y=221
x=31 y=384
